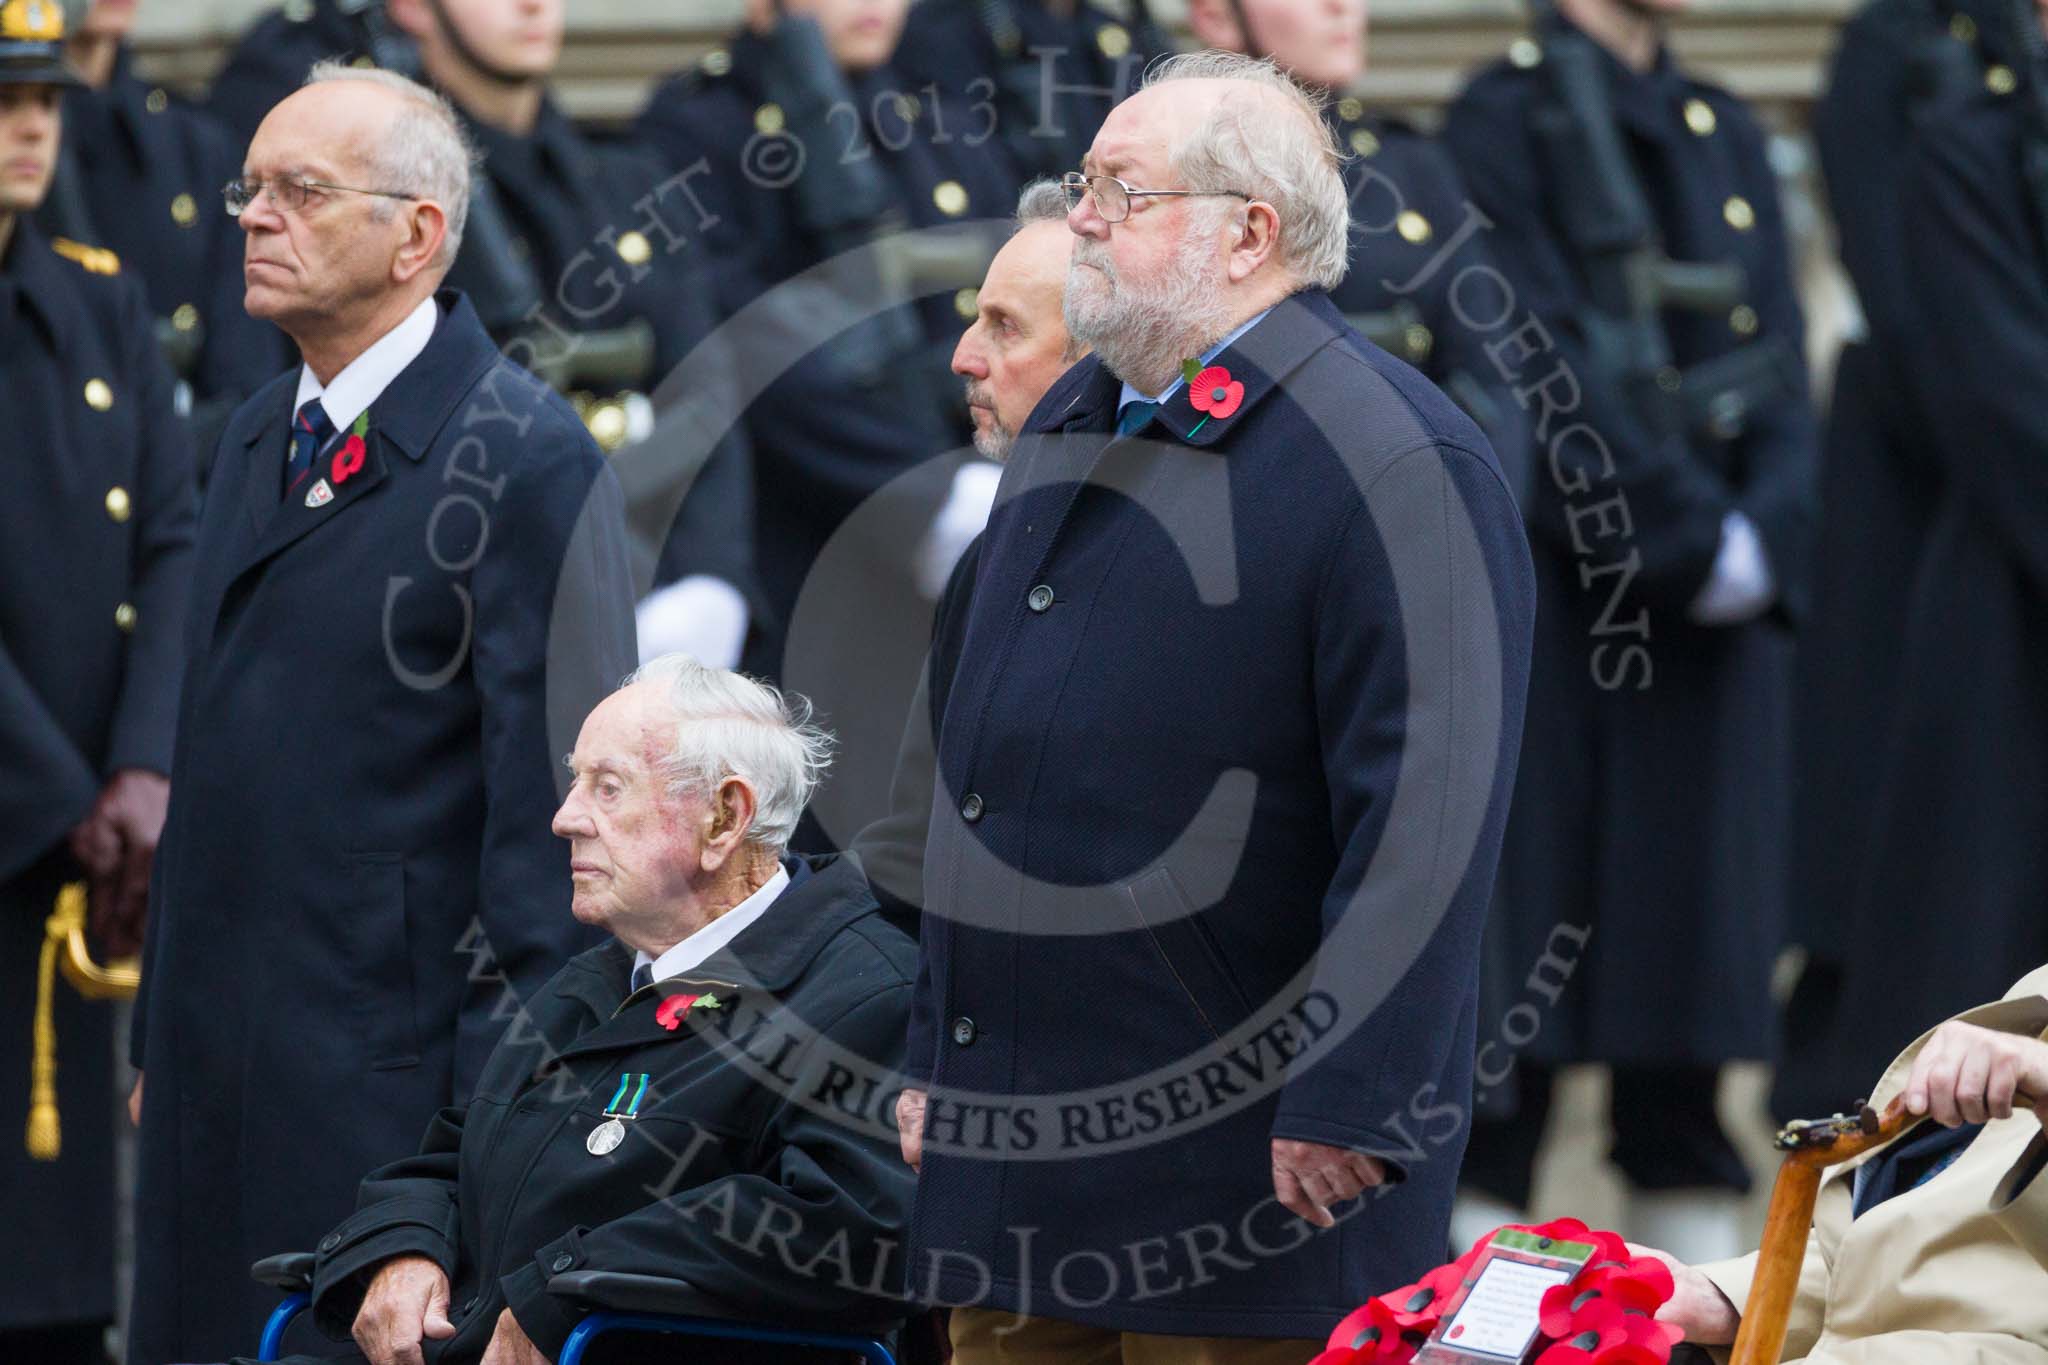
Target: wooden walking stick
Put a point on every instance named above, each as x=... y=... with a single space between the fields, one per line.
x=1810 y=1147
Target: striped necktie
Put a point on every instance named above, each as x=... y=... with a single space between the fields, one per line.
x=310 y=432
x=643 y=976
x=1134 y=417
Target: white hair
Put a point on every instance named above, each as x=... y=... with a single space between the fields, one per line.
x=1042 y=201
x=1292 y=163
x=424 y=152
x=730 y=725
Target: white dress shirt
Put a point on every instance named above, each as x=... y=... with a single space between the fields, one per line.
x=363 y=380
x=692 y=951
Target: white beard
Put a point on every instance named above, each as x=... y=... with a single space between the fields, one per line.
x=1143 y=337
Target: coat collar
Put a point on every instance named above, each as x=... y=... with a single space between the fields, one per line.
x=824 y=896
x=1650 y=102
x=32 y=263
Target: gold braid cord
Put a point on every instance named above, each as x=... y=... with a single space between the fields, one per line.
x=64 y=945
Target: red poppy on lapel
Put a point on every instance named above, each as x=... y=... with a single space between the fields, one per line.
x=349 y=458
x=1214 y=392
x=671 y=1011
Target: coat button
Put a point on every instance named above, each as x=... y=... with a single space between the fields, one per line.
x=1740 y=215
x=1413 y=227
x=1699 y=116
x=330 y=1241
x=184 y=210
x=950 y=197
x=634 y=248
x=971 y=808
x=156 y=101
x=563 y=1262
x=963 y=1031
x=117 y=503
x=99 y=395
x=1040 y=598
x=124 y=616
x=184 y=317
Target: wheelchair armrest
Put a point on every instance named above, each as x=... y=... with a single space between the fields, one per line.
x=291 y=1271
x=623 y=1292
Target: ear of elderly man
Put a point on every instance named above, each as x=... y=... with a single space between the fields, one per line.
x=682 y=1101
x=1190 y=1051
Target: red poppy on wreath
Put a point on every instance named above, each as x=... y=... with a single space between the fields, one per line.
x=671 y=1011
x=1213 y=391
x=349 y=458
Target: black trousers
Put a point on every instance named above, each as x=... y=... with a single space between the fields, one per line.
x=1667 y=1135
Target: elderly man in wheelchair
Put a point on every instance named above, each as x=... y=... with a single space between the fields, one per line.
x=690 y=1120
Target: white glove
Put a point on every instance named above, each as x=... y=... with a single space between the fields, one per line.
x=702 y=616
x=1742 y=586
x=956 y=525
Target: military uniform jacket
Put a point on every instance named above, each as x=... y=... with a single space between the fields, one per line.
x=95 y=553
x=1420 y=255
x=357 y=873
x=1195 y=701
x=833 y=424
x=1962 y=819
x=505 y=1191
x=273 y=57
x=1654 y=795
x=150 y=169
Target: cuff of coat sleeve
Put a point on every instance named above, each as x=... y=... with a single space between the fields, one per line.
x=1302 y=1128
x=546 y=1319
x=342 y=1274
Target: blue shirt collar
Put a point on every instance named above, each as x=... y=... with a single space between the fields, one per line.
x=1130 y=395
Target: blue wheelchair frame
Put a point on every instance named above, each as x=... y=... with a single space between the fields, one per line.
x=621 y=1303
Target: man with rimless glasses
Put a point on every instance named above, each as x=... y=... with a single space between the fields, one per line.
x=356 y=883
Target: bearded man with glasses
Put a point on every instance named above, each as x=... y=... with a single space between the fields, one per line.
x=356 y=883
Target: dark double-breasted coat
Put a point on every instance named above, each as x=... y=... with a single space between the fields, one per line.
x=837 y=422
x=357 y=881
x=142 y=175
x=1958 y=868
x=95 y=552
x=751 y=1118
x=1223 y=763
x=1879 y=493
x=1652 y=804
x=1417 y=248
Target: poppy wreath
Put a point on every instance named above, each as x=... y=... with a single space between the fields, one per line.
x=1605 y=1315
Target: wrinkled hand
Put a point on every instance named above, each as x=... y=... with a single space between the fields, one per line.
x=1309 y=1177
x=910 y=1107
x=1696 y=1303
x=116 y=844
x=509 y=1345
x=1967 y=1074
x=407 y=1300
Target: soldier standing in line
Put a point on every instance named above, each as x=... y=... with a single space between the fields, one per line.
x=95 y=551
x=139 y=173
x=1660 y=354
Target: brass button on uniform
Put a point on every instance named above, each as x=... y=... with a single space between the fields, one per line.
x=1413 y=227
x=99 y=395
x=124 y=616
x=768 y=120
x=1963 y=28
x=1999 y=80
x=634 y=248
x=716 y=62
x=1040 y=598
x=184 y=211
x=951 y=198
x=967 y=303
x=971 y=808
x=1743 y=320
x=1351 y=109
x=1525 y=53
x=1363 y=142
x=117 y=503
x=908 y=108
x=156 y=101
x=1699 y=116
x=1739 y=214
x=1420 y=342
x=1113 y=39
x=184 y=317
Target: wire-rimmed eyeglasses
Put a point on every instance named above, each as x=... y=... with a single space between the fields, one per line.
x=288 y=193
x=1113 y=197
